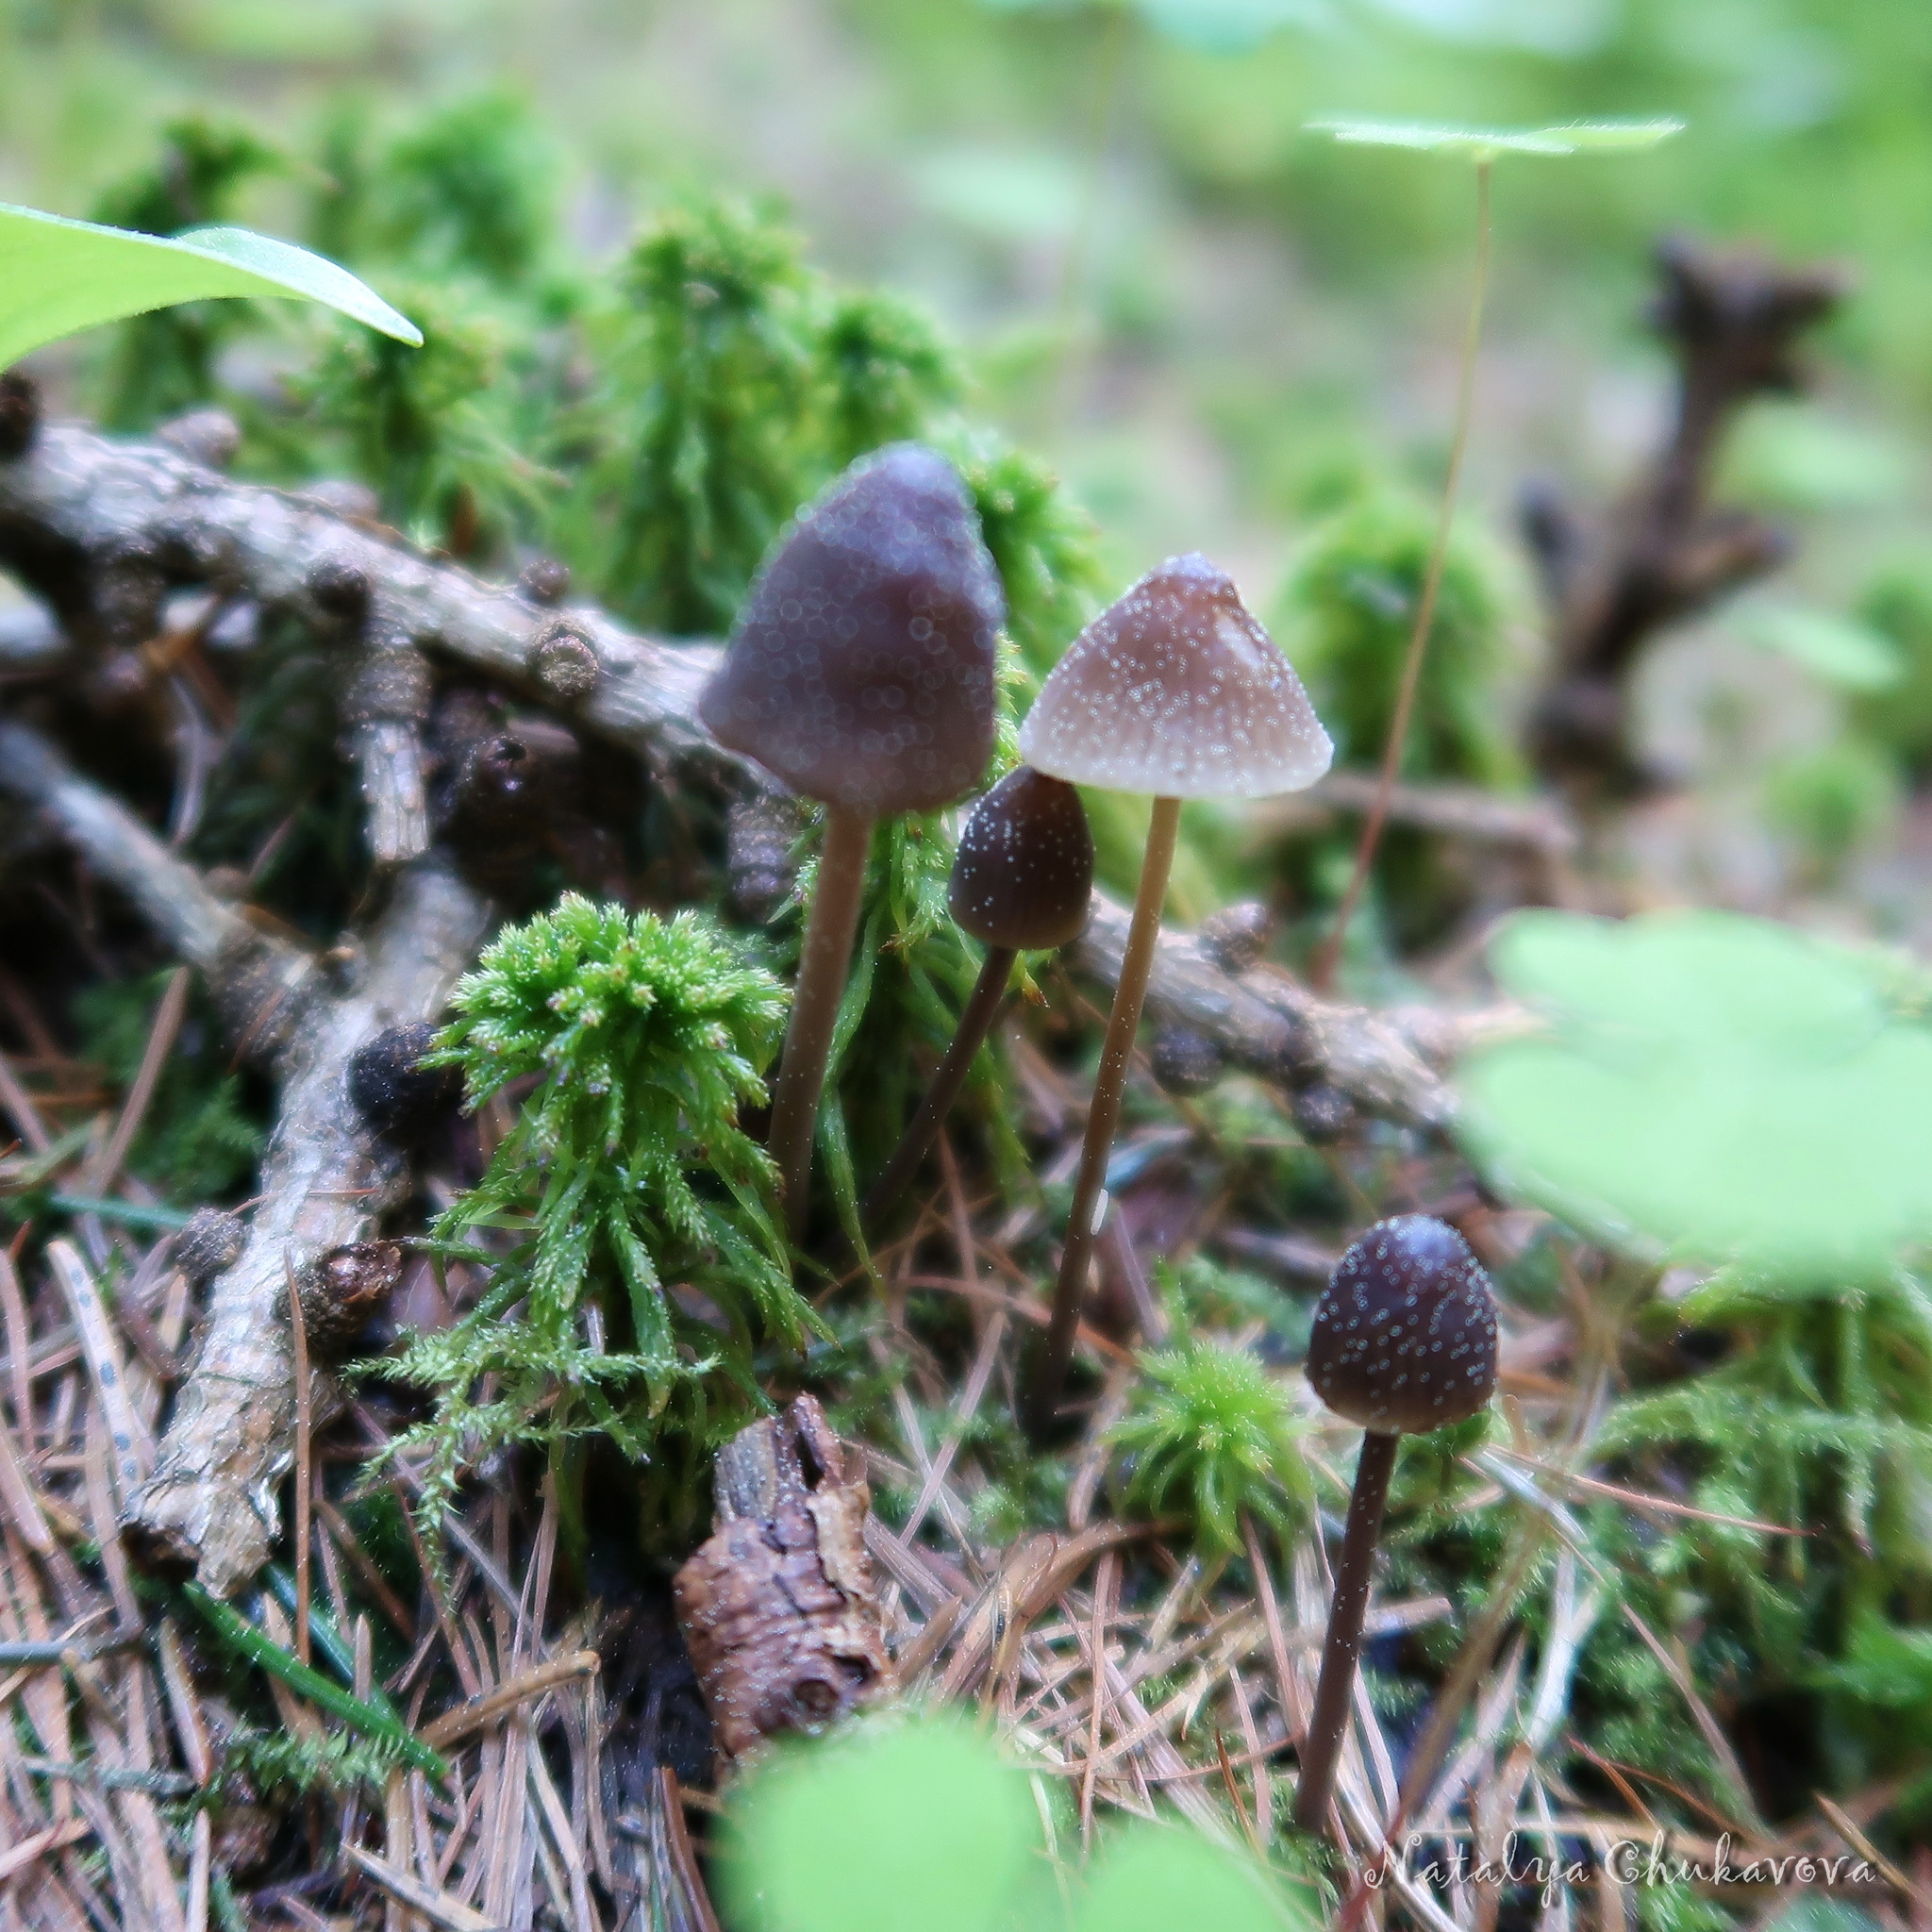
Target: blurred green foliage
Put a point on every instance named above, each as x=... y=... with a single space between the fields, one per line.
x=919 y=1822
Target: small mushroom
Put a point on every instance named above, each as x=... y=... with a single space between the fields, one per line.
x=1174 y=692
x=1404 y=1342
x=861 y=674
x=1023 y=881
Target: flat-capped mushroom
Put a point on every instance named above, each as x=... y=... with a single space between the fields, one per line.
x=1023 y=879
x=861 y=674
x=1174 y=692
x=1404 y=1342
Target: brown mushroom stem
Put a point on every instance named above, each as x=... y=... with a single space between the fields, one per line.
x=821 y=968
x=975 y=1021
x=1342 y=1648
x=1103 y=1117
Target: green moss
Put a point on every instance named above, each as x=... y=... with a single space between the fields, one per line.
x=1346 y=613
x=1213 y=1436
x=625 y=1172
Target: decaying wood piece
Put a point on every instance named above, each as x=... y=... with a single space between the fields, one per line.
x=1734 y=319
x=72 y=502
x=210 y=1503
x=778 y=1607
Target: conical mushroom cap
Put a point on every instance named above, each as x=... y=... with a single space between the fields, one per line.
x=861 y=671
x=1022 y=878
x=1176 y=691
x=1405 y=1335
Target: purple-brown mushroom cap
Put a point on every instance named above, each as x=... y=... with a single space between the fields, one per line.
x=1175 y=690
x=1405 y=1335
x=1023 y=874
x=861 y=670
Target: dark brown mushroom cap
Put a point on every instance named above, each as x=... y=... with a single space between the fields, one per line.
x=861 y=671
x=1023 y=874
x=1405 y=1335
x=1176 y=691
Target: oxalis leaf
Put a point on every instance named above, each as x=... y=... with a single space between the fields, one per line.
x=894 y=1824
x=58 y=276
x=1486 y=143
x=1711 y=1086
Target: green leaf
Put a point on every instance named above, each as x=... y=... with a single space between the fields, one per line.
x=1840 y=650
x=58 y=276
x=1158 y=1878
x=1711 y=1087
x=1486 y=143
x=881 y=1829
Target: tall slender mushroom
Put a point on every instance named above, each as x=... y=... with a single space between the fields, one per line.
x=861 y=674
x=1174 y=692
x=1023 y=880
x=1404 y=1342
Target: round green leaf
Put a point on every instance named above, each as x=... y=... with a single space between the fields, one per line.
x=1710 y=1086
x=882 y=1829
x=58 y=276
x=1159 y=1878
x=1839 y=650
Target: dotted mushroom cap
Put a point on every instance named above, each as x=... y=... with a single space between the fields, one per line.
x=861 y=671
x=1023 y=874
x=1176 y=691
x=1405 y=1335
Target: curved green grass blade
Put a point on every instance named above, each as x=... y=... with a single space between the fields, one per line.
x=58 y=276
x=1486 y=143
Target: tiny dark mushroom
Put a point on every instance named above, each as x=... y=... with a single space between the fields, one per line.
x=1174 y=692
x=861 y=674
x=1022 y=882
x=1404 y=1342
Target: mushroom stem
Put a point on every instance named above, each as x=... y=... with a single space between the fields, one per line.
x=821 y=968
x=1103 y=1116
x=1342 y=1648
x=975 y=1021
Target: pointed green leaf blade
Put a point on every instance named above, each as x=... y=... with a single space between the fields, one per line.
x=58 y=276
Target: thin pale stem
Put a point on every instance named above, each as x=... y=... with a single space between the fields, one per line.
x=1323 y=971
x=1342 y=1648
x=975 y=1021
x=822 y=969
x=1103 y=1116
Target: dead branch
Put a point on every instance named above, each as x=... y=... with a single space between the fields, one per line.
x=99 y=530
x=1265 y=1022
x=256 y=977
x=326 y=1181
x=1733 y=319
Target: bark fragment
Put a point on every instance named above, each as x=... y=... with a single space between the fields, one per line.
x=778 y=1607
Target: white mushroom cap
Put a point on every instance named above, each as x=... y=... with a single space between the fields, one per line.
x=1175 y=690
